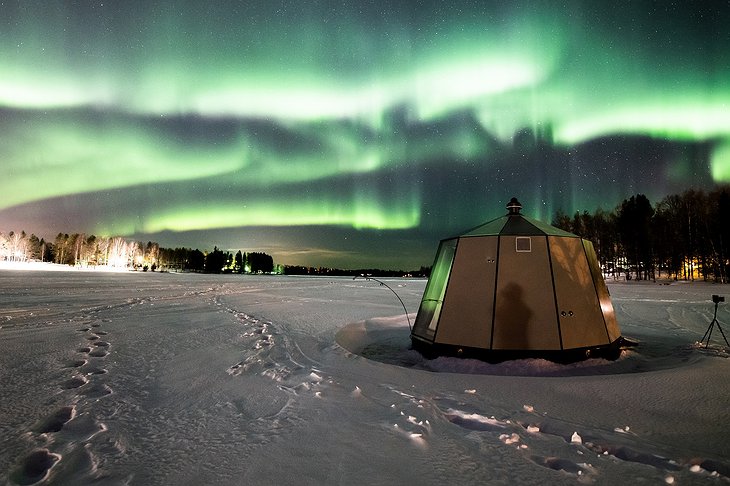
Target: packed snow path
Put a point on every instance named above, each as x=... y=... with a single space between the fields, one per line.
x=192 y=379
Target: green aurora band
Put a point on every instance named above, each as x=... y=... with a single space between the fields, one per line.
x=229 y=114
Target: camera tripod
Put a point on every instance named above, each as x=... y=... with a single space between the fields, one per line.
x=708 y=333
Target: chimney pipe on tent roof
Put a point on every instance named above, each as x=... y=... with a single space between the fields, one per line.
x=514 y=207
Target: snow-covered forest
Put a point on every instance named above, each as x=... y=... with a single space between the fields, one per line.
x=79 y=250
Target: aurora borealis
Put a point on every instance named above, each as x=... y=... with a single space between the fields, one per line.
x=351 y=133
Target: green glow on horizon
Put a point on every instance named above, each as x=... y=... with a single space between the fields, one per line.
x=363 y=213
x=720 y=165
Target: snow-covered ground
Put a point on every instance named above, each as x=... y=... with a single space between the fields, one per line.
x=193 y=379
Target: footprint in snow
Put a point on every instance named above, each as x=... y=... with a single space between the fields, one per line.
x=82 y=429
x=55 y=422
x=632 y=455
x=77 y=363
x=96 y=371
x=93 y=337
x=99 y=352
x=75 y=382
x=35 y=467
x=97 y=391
x=558 y=464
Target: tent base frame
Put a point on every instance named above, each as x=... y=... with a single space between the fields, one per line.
x=433 y=350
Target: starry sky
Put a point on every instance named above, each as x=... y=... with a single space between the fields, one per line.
x=351 y=133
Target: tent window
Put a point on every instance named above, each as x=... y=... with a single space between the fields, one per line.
x=433 y=296
x=523 y=244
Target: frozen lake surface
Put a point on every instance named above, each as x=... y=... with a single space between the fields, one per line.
x=142 y=378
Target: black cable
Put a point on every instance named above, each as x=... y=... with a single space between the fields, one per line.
x=394 y=292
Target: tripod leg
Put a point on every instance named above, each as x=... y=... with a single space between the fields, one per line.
x=723 y=334
x=707 y=332
x=704 y=336
x=709 y=336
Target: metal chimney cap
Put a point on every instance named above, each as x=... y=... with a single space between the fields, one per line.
x=514 y=206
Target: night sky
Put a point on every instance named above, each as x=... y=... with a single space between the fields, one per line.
x=351 y=133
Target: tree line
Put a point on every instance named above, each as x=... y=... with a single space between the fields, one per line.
x=684 y=236
x=91 y=251
x=217 y=261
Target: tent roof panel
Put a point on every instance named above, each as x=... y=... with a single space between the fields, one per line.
x=548 y=229
x=490 y=228
x=520 y=226
x=516 y=224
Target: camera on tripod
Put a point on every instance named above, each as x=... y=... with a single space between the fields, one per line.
x=708 y=334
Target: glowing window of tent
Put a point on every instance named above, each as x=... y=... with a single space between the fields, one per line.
x=523 y=244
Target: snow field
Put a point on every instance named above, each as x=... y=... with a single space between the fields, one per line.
x=193 y=379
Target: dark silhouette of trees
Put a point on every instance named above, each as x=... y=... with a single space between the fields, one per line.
x=684 y=236
x=719 y=231
x=195 y=261
x=238 y=266
x=215 y=261
x=633 y=223
x=672 y=246
x=260 y=262
x=174 y=259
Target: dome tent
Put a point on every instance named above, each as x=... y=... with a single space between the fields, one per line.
x=515 y=287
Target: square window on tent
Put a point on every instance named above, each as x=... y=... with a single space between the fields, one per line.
x=523 y=244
